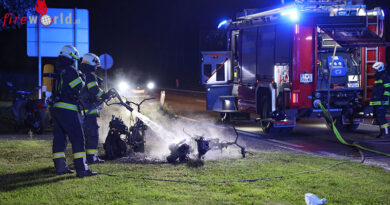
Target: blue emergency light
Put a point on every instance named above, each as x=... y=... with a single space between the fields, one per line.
x=223 y=23
x=292 y=14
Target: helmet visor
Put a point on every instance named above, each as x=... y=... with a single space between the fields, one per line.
x=74 y=56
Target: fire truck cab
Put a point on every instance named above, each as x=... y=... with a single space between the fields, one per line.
x=281 y=63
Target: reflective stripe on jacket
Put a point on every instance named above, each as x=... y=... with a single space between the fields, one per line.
x=67 y=106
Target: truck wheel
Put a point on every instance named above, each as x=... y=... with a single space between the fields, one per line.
x=265 y=113
x=352 y=127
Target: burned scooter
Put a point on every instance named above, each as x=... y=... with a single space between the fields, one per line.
x=115 y=146
x=179 y=151
x=182 y=150
x=204 y=145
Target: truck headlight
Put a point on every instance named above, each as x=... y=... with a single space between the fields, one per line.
x=123 y=86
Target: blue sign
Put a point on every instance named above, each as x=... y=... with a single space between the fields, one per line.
x=67 y=27
x=106 y=61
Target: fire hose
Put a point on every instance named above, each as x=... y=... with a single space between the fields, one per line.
x=112 y=93
x=227 y=181
x=332 y=126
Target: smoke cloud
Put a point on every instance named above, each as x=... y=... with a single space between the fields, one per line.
x=166 y=129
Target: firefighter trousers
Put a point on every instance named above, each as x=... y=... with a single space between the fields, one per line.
x=67 y=126
x=380 y=114
x=91 y=132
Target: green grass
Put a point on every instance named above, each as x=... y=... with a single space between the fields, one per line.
x=27 y=177
x=5 y=104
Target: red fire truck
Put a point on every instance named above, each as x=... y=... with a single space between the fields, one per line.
x=281 y=63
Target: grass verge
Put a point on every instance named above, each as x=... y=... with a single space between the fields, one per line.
x=27 y=177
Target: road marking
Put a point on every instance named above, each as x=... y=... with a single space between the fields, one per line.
x=249 y=133
x=330 y=154
x=289 y=148
x=286 y=143
x=223 y=127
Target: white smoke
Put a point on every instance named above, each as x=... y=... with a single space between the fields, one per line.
x=165 y=129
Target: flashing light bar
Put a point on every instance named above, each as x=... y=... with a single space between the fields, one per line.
x=292 y=14
x=223 y=23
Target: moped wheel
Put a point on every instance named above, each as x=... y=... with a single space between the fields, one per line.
x=140 y=141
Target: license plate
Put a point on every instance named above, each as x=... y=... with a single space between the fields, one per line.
x=306 y=78
x=353 y=85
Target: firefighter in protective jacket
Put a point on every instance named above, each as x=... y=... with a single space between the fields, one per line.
x=65 y=110
x=380 y=98
x=91 y=94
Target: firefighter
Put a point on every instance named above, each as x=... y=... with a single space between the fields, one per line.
x=380 y=98
x=90 y=96
x=65 y=114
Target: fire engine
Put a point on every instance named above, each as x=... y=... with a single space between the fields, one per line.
x=281 y=63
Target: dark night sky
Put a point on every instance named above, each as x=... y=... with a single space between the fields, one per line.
x=158 y=37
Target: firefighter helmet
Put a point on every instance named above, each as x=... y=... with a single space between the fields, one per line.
x=91 y=59
x=70 y=52
x=379 y=66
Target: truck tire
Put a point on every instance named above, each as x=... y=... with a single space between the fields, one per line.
x=265 y=112
x=352 y=127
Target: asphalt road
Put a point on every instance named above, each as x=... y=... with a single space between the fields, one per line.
x=310 y=136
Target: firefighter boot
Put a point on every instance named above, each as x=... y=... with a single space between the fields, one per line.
x=94 y=159
x=385 y=133
x=380 y=133
x=82 y=168
x=61 y=166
